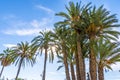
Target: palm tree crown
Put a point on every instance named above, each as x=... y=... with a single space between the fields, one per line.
x=23 y=54
x=43 y=42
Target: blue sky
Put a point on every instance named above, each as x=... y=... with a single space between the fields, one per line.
x=21 y=20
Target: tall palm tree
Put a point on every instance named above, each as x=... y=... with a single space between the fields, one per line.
x=70 y=58
x=60 y=36
x=43 y=42
x=72 y=49
x=5 y=58
x=107 y=53
x=100 y=23
x=23 y=55
x=75 y=18
x=70 y=38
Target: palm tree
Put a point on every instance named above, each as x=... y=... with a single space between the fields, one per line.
x=100 y=23
x=75 y=18
x=72 y=50
x=70 y=41
x=60 y=36
x=5 y=58
x=44 y=42
x=107 y=53
x=23 y=54
x=70 y=60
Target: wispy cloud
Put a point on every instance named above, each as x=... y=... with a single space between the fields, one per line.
x=22 y=32
x=40 y=23
x=23 y=28
x=44 y=8
x=35 y=23
x=9 y=45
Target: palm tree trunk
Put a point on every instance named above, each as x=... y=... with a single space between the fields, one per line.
x=1 y=71
x=45 y=61
x=66 y=67
x=100 y=72
x=93 y=65
x=65 y=61
x=19 y=68
x=77 y=66
x=80 y=57
x=72 y=71
x=93 y=70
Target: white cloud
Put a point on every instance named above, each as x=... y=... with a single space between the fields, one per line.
x=23 y=28
x=9 y=45
x=44 y=8
x=40 y=23
x=23 y=32
x=35 y=23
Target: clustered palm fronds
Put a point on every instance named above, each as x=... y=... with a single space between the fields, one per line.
x=86 y=32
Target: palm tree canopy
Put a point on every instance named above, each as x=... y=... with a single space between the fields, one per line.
x=44 y=41
x=101 y=23
x=25 y=51
x=5 y=57
x=107 y=52
x=75 y=17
